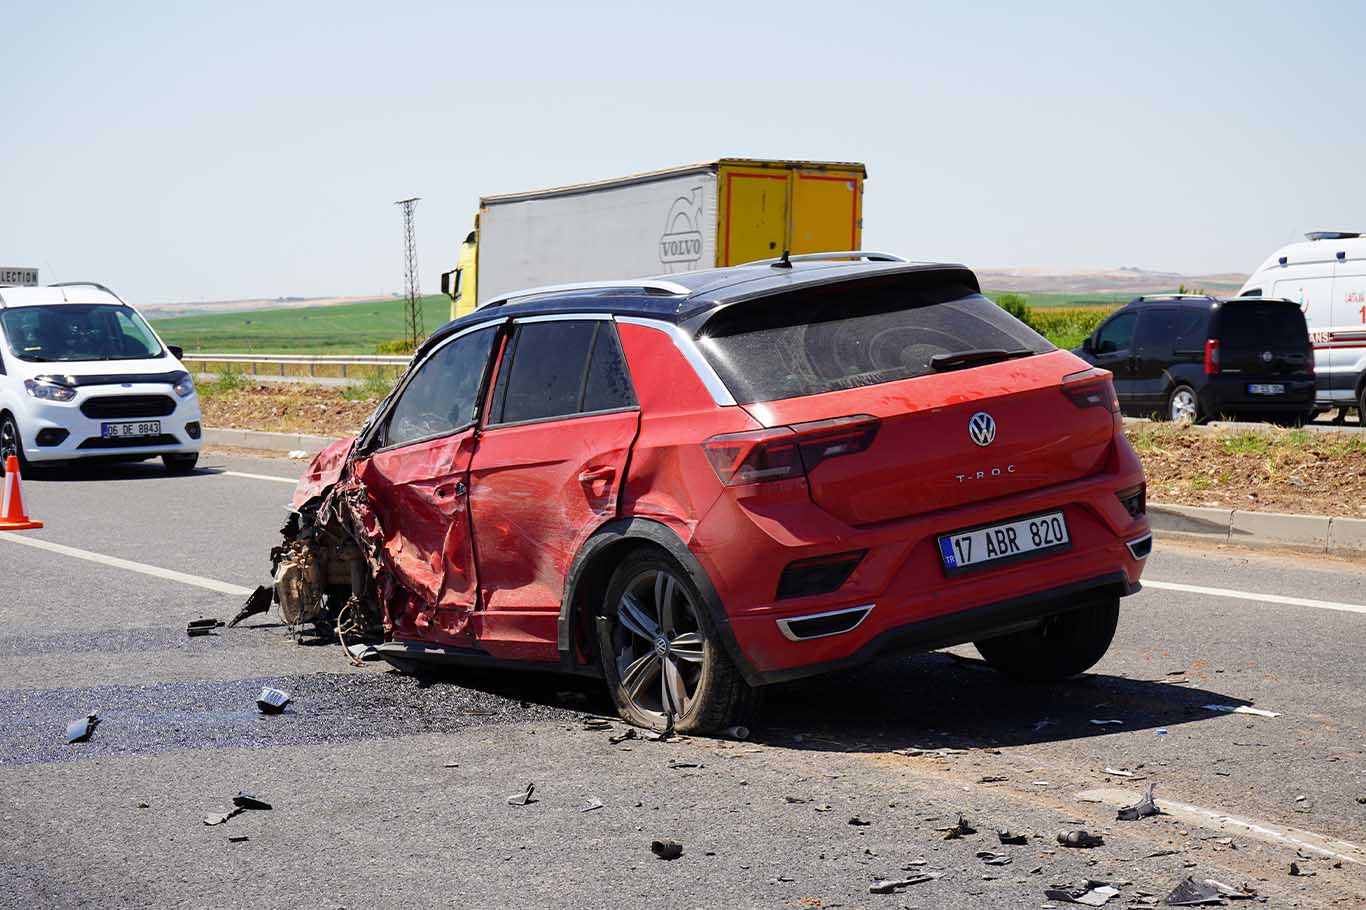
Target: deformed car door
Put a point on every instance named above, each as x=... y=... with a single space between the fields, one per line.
x=417 y=485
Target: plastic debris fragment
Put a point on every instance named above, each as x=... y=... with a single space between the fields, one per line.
x=222 y=816
x=994 y=859
x=78 y=731
x=891 y=886
x=249 y=801
x=592 y=804
x=272 y=701
x=523 y=798
x=629 y=733
x=666 y=849
x=858 y=822
x=1092 y=894
x=1191 y=893
x=258 y=602
x=1080 y=837
x=1015 y=840
x=962 y=829
x=1141 y=809
x=198 y=627
x=1242 y=709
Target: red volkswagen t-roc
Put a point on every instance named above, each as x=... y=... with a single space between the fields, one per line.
x=702 y=484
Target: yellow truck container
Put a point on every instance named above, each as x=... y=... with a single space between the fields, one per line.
x=719 y=213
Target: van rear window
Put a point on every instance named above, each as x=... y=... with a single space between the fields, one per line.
x=1261 y=325
x=844 y=337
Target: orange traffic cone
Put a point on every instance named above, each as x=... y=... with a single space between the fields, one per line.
x=12 y=517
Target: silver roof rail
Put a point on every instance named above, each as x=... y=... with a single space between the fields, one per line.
x=86 y=284
x=870 y=255
x=672 y=288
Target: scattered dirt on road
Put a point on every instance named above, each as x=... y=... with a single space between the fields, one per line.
x=285 y=408
x=1266 y=470
x=1270 y=470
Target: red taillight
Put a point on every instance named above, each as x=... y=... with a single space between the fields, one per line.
x=783 y=453
x=1211 y=356
x=1091 y=389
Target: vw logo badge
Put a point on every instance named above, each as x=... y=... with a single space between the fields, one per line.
x=1267 y=356
x=982 y=428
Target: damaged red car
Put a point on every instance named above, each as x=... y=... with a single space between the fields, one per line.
x=700 y=485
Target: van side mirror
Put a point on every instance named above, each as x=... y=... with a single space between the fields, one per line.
x=450 y=283
x=176 y=351
x=1087 y=345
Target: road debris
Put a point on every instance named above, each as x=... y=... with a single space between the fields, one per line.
x=891 y=886
x=1192 y=893
x=1012 y=840
x=272 y=701
x=597 y=723
x=676 y=763
x=1118 y=773
x=617 y=739
x=1102 y=723
x=197 y=627
x=992 y=779
x=666 y=849
x=238 y=838
x=249 y=801
x=79 y=730
x=219 y=819
x=1081 y=838
x=1242 y=709
x=258 y=602
x=994 y=859
x=917 y=752
x=1091 y=893
x=1301 y=873
x=1141 y=809
x=737 y=732
x=858 y=822
x=593 y=804
x=363 y=652
x=962 y=829
x=524 y=798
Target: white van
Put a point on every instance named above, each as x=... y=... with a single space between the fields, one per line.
x=82 y=375
x=1326 y=275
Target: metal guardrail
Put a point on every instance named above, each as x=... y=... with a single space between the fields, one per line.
x=312 y=362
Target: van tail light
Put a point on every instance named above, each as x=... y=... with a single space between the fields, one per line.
x=1211 y=356
x=784 y=453
x=1091 y=388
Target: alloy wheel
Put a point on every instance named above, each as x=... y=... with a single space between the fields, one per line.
x=659 y=645
x=9 y=441
x=1184 y=407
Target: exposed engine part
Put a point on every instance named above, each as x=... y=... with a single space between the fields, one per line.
x=299 y=580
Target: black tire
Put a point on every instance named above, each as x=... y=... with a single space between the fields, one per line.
x=180 y=464
x=714 y=695
x=1060 y=647
x=1183 y=393
x=10 y=445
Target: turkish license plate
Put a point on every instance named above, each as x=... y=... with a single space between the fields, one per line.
x=1265 y=388
x=139 y=430
x=1008 y=541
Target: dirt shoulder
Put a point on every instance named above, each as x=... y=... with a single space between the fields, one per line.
x=1269 y=470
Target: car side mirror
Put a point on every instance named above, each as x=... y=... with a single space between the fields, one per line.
x=176 y=351
x=1087 y=345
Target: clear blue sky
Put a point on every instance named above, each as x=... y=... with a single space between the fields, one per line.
x=191 y=151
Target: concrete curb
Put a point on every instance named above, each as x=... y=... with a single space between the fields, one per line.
x=1316 y=533
x=270 y=442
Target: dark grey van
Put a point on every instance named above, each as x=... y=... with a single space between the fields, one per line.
x=1185 y=357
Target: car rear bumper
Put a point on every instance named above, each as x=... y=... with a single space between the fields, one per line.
x=1229 y=395
x=901 y=597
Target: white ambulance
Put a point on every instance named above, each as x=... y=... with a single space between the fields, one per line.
x=1326 y=275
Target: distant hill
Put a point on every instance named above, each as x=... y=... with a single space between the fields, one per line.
x=1119 y=281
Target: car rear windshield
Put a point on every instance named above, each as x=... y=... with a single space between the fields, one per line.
x=849 y=336
x=1262 y=325
x=78 y=331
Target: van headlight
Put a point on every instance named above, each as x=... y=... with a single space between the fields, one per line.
x=49 y=391
x=184 y=388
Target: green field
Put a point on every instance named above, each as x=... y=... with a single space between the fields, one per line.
x=351 y=328
x=358 y=328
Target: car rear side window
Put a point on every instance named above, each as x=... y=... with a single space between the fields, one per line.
x=1190 y=330
x=562 y=368
x=843 y=337
x=1261 y=325
x=441 y=396
x=1156 y=327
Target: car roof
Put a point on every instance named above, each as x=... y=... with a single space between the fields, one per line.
x=56 y=294
x=690 y=298
x=1205 y=300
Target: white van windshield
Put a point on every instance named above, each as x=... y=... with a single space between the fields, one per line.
x=78 y=331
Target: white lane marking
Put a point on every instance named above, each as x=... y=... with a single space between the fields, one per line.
x=1256 y=595
x=292 y=481
x=198 y=581
x=1270 y=832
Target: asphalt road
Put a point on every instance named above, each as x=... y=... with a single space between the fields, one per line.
x=390 y=792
